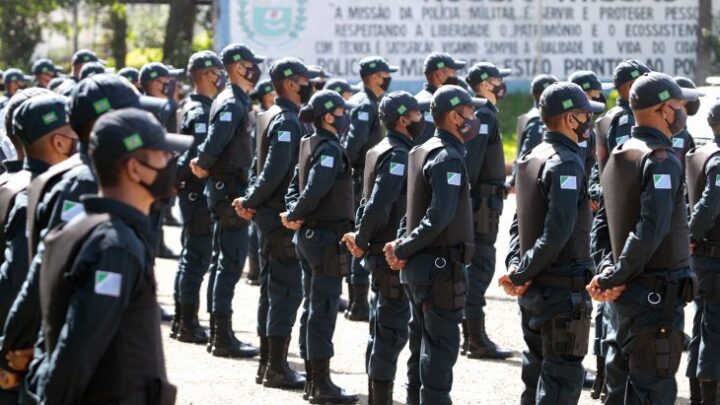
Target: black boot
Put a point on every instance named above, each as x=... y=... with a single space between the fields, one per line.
x=175 y=325
x=695 y=395
x=190 y=329
x=597 y=388
x=211 y=338
x=324 y=391
x=381 y=393
x=279 y=374
x=465 y=343
x=262 y=366
x=359 y=309
x=225 y=344
x=479 y=344
x=253 y=276
x=307 y=391
x=708 y=392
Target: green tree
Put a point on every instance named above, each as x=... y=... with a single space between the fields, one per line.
x=21 y=24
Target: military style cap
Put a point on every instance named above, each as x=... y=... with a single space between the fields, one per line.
x=482 y=71
x=38 y=116
x=84 y=56
x=119 y=133
x=436 y=61
x=714 y=113
x=287 y=67
x=374 y=64
x=238 y=52
x=156 y=70
x=540 y=82
x=325 y=101
x=324 y=74
x=130 y=73
x=340 y=86
x=449 y=97
x=684 y=82
x=13 y=74
x=398 y=103
x=55 y=82
x=262 y=88
x=96 y=95
x=93 y=68
x=561 y=97
x=628 y=70
x=204 y=60
x=655 y=88
x=45 y=65
x=588 y=80
x=16 y=101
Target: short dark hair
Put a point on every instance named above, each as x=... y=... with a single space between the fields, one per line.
x=108 y=170
x=278 y=85
x=440 y=117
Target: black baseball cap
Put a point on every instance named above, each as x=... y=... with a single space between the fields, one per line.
x=44 y=65
x=93 y=68
x=684 y=82
x=449 y=97
x=436 y=61
x=16 y=101
x=324 y=74
x=340 y=86
x=156 y=70
x=85 y=56
x=97 y=95
x=38 y=116
x=55 y=82
x=262 y=88
x=588 y=80
x=325 y=101
x=374 y=64
x=655 y=88
x=628 y=70
x=14 y=74
x=540 y=82
x=398 y=103
x=204 y=60
x=561 y=97
x=130 y=73
x=119 y=133
x=288 y=67
x=238 y=52
x=714 y=113
x=482 y=71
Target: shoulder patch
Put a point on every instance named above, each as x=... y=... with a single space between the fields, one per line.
x=582 y=144
x=428 y=117
x=200 y=128
x=363 y=116
x=622 y=139
x=108 y=283
x=662 y=181
x=453 y=178
x=284 y=136
x=397 y=169
x=327 y=161
x=623 y=120
x=717 y=180
x=678 y=143
x=568 y=182
x=484 y=129
x=226 y=116
x=71 y=209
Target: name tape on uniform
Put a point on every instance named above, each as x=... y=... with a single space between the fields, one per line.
x=568 y=182
x=327 y=161
x=397 y=169
x=662 y=181
x=108 y=283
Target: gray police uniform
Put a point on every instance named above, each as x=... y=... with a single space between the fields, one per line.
x=438 y=243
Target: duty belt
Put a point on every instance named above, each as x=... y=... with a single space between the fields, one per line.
x=491 y=189
x=574 y=283
x=445 y=252
x=339 y=227
x=709 y=250
x=658 y=285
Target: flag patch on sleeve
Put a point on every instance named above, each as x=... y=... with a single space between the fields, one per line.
x=484 y=129
x=226 y=116
x=568 y=182
x=623 y=120
x=717 y=180
x=284 y=136
x=71 y=209
x=453 y=179
x=363 y=116
x=200 y=128
x=108 y=283
x=662 y=181
x=397 y=169
x=622 y=139
x=582 y=144
x=428 y=117
x=326 y=161
x=678 y=143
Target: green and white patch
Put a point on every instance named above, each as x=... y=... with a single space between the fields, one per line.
x=428 y=117
x=49 y=118
x=71 y=209
x=484 y=129
x=284 y=136
x=623 y=120
x=582 y=144
x=108 y=283
x=397 y=169
x=133 y=142
x=200 y=128
x=678 y=143
x=622 y=139
x=101 y=106
x=568 y=182
x=662 y=181
x=363 y=116
x=226 y=116
x=717 y=180
x=327 y=161
x=453 y=178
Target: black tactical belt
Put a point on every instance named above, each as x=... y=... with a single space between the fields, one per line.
x=707 y=250
x=339 y=227
x=574 y=283
x=659 y=286
x=491 y=189
x=447 y=252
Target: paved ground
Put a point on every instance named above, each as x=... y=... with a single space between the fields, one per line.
x=206 y=380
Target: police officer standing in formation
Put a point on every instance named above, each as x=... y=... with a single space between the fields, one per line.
x=320 y=207
x=703 y=187
x=383 y=205
x=485 y=163
x=364 y=133
x=206 y=72
x=683 y=141
x=225 y=158
x=593 y=89
x=553 y=264
x=439 y=69
x=132 y=75
x=79 y=59
x=44 y=70
x=648 y=281
x=98 y=277
x=278 y=138
x=14 y=80
x=437 y=245
x=341 y=87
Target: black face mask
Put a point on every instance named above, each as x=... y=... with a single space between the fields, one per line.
x=386 y=83
x=499 y=91
x=252 y=74
x=452 y=81
x=305 y=92
x=73 y=147
x=164 y=184
x=600 y=99
x=220 y=82
x=319 y=85
x=678 y=123
x=341 y=124
x=692 y=107
x=582 y=128
x=470 y=128
x=416 y=128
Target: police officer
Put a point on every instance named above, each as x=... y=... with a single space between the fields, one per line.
x=703 y=180
x=382 y=207
x=208 y=79
x=225 y=156
x=264 y=94
x=683 y=141
x=14 y=80
x=278 y=137
x=92 y=307
x=320 y=208
x=364 y=133
x=93 y=68
x=485 y=163
x=80 y=58
x=439 y=69
x=593 y=89
x=437 y=244
x=342 y=87
x=132 y=75
x=554 y=218
x=44 y=70
x=647 y=217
